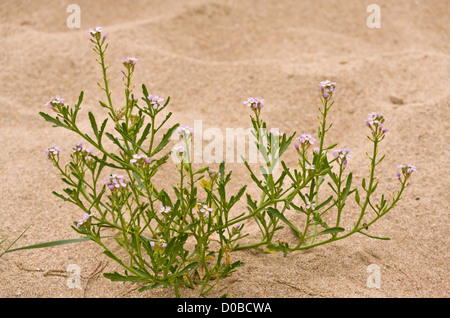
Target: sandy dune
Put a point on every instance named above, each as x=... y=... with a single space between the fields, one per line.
x=209 y=56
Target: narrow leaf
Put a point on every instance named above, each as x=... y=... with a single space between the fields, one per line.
x=279 y=215
x=331 y=230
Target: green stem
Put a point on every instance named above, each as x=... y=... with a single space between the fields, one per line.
x=372 y=178
x=101 y=53
x=319 y=163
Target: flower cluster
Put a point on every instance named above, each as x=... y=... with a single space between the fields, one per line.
x=213 y=174
x=327 y=89
x=56 y=103
x=84 y=220
x=140 y=160
x=375 y=122
x=129 y=62
x=342 y=156
x=185 y=131
x=53 y=152
x=96 y=34
x=156 y=101
x=79 y=152
x=179 y=150
x=116 y=182
x=237 y=228
x=255 y=103
x=407 y=170
x=276 y=133
x=159 y=246
x=305 y=141
x=316 y=150
x=204 y=210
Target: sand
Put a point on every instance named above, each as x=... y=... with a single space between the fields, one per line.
x=209 y=56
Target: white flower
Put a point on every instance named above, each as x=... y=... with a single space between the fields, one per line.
x=179 y=150
x=156 y=101
x=97 y=29
x=185 y=131
x=165 y=209
x=276 y=132
x=204 y=210
x=310 y=205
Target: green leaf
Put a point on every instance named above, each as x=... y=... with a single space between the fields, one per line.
x=144 y=134
x=52 y=243
x=165 y=119
x=144 y=90
x=286 y=170
x=238 y=196
x=103 y=104
x=331 y=230
x=324 y=203
x=149 y=287
x=116 y=277
x=188 y=267
x=63 y=197
x=102 y=129
x=374 y=187
x=93 y=124
x=279 y=215
x=115 y=141
x=251 y=203
x=254 y=178
x=347 y=187
x=80 y=100
x=357 y=198
x=14 y=242
x=165 y=140
x=55 y=121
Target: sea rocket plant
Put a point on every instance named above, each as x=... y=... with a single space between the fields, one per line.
x=183 y=235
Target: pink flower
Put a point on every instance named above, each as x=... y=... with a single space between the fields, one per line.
x=342 y=156
x=310 y=206
x=56 y=103
x=116 y=182
x=53 y=152
x=204 y=210
x=305 y=141
x=129 y=62
x=276 y=133
x=140 y=160
x=165 y=209
x=84 y=219
x=96 y=33
x=254 y=102
x=213 y=174
x=185 y=131
x=327 y=89
x=156 y=101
